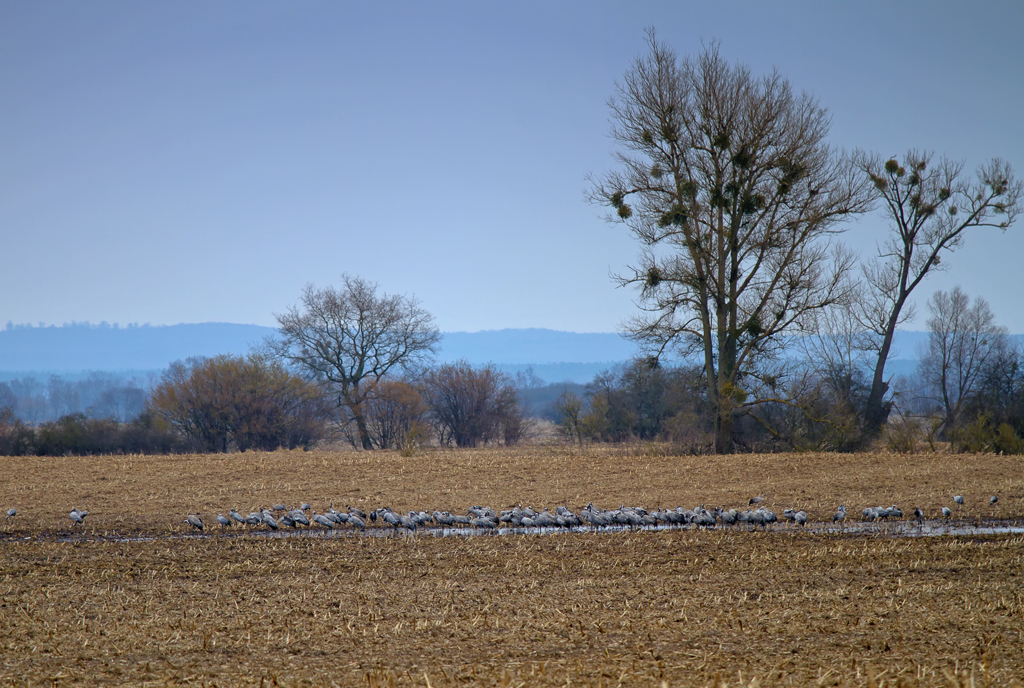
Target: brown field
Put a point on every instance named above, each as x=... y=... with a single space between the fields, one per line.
x=677 y=608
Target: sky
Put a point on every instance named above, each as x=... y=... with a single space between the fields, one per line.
x=185 y=162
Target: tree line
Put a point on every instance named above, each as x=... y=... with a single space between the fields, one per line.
x=967 y=395
x=97 y=395
x=968 y=391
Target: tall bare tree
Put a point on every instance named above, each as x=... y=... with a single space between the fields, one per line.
x=351 y=338
x=962 y=338
x=929 y=207
x=727 y=182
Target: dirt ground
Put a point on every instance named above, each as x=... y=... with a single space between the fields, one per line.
x=676 y=608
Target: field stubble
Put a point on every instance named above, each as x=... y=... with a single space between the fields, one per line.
x=675 y=607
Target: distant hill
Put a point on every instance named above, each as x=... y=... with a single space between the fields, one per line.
x=81 y=347
x=535 y=346
x=71 y=349
x=555 y=356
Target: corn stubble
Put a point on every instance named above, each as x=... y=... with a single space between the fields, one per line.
x=677 y=608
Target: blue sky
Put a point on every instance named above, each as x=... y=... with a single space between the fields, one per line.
x=168 y=162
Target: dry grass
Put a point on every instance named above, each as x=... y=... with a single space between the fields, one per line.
x=637 y=609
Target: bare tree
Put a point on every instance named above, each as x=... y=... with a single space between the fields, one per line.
x=62 y=396
x=473 y=405
x=929 y=206
x=396 y=415
x=962 y=338
x=351 y=338
x=569 y=407
x=836 y=353
x=728 y=184
x=7 y=398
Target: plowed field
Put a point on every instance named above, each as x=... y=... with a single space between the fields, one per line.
x=679 y=607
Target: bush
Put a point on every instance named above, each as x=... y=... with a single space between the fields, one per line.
x=1006 y=441
x=241 y=403
x=902 y=434
x=647 y=401
x=469 y=406
x=16 y=438
x=395 y=416
x=76 y=435
x=813 y=416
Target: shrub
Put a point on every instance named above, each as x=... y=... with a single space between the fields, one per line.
x=902 y=434
x=469 y=406
x=16 y=438
x=241 y=403
x=395 y=416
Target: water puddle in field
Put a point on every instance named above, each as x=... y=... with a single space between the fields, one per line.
x=894 y=529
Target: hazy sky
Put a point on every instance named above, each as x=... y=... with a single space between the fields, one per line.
x=169 y=162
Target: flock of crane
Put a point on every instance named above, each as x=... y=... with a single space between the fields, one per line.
x=486 y=519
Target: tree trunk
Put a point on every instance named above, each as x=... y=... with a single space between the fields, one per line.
x=876 y=410
x=723 y=431
x=364 y=432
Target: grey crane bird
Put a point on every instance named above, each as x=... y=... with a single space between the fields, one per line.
x=194 y=521
x=544 y=519
x=391 y=518
x=410 y=521
x=993 y=499
x=322 y=520
x=894 y=512
x=481 y=522
x=224 y=521
x=947 y=512
x=237 y=516
x=443 y=518
x=755 y=500
x=959 y=499
x=839 y=516
x=78 y=516
x=800 y=518
x=356 y=522
x=298 y=516
x=421 y=517
x=11 y=513
x=343 y=517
